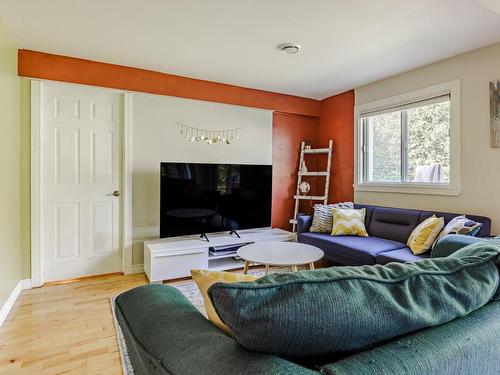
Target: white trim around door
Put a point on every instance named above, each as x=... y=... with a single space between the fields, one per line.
x=36 y=201
x=127 y=149
x=125 y=219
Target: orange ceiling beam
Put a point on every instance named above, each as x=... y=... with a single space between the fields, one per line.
x=42 y=65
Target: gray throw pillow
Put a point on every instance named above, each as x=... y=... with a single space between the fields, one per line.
x=323 y=218
x=341 y=310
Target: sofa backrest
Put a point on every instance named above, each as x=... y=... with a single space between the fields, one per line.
x=397 y=223
x=392 y=223
x=467 y=345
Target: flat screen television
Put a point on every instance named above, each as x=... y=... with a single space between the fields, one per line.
x=198 y=198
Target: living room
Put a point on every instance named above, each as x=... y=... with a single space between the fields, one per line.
x=284 y=169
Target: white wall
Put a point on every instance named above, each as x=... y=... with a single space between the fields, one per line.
x=157 y=138
x=480 y=163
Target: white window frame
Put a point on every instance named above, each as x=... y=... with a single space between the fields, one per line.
x=451 y=88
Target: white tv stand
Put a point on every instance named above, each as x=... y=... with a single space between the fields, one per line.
x=175 y=257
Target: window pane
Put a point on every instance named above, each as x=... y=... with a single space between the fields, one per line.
x=384 y=147
x=429 y=143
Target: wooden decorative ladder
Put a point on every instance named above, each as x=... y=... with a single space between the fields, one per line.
x=300 y=174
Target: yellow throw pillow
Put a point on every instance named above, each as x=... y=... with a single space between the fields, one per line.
x=424 y=235
x=349 y=222
x=205 y=279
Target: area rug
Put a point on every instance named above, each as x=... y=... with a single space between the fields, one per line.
x=190 y=290
x=192 y=293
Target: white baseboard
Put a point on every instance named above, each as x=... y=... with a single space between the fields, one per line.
x=7 y=306
x=26 y=284
x=136 y=268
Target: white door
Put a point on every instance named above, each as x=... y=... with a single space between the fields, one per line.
x=81 y=169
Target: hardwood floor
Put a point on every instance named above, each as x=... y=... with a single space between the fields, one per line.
x=68 y=328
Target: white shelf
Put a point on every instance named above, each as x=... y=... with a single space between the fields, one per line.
x=217 y=239
x=313 y=173
x=224 y=264
x=317 y=151
x=172 y=258
x=310 y=197
x=213 y=258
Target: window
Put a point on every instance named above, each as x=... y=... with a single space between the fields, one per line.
x=410 y=143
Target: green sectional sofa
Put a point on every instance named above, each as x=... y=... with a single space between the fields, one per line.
x=166 y=334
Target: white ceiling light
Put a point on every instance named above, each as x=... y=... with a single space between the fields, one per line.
x=290 y=48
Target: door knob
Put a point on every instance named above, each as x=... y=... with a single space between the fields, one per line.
x=116 y=193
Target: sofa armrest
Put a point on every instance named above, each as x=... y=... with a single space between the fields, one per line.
x=450 y=243
x=303 y=223
x=465 y=346
x=166 y=334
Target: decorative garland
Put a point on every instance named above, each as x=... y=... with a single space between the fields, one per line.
x=211 y=137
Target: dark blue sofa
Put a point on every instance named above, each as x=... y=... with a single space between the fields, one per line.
x=388 y=229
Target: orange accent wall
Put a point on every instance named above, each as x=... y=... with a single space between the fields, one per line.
x=337 y=122
x=69 y=69
x=288 y=132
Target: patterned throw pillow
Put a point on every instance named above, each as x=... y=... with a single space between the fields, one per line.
x=349 y=222
x=322 y=219
x=205 y=279
x=424 y=235
x=459 y=225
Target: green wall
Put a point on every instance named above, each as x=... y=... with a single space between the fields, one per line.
x=11 y=253
x=25 y=178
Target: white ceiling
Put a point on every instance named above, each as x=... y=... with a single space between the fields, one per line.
x=345 y=44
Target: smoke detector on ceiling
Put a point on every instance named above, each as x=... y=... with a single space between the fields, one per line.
x=290 y=48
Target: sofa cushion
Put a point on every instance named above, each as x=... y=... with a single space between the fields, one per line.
x=467 y=346
x=424 y=235
x=341 y=310
x=204 y=279
x=350 y=250
x=484 y=231
x=349 y=222
x=460 y=225
x=393 y=223
x=304 y=223
x=369 y=211
x=447 y=245
x=165 y=334
x=400 y=255
x=323 y=216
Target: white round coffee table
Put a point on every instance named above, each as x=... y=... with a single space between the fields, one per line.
x=274 y=253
